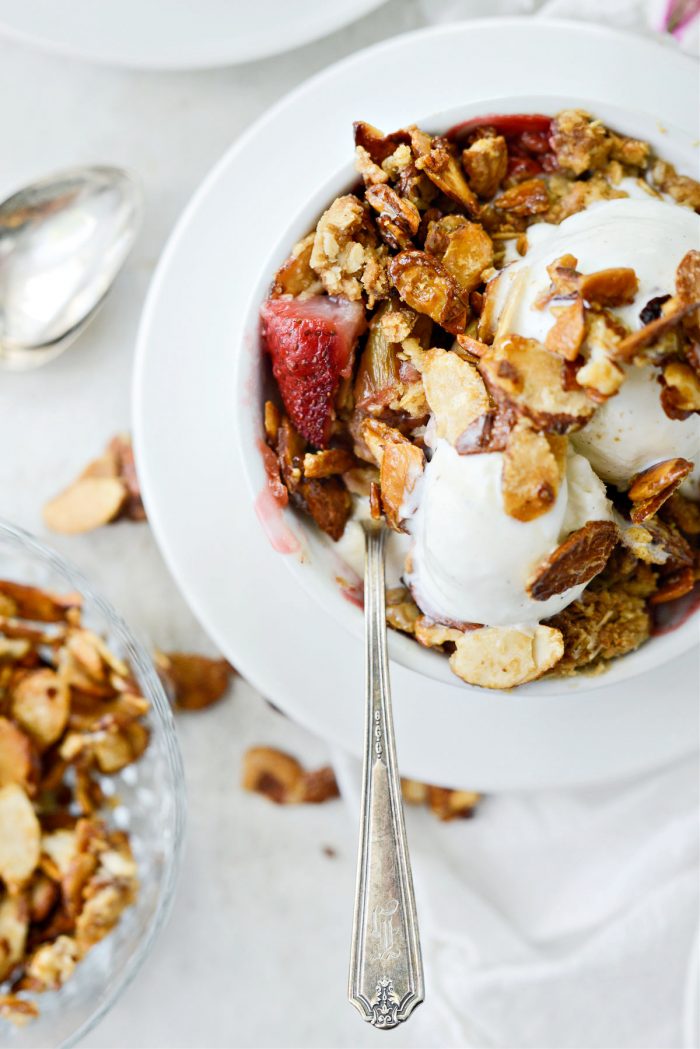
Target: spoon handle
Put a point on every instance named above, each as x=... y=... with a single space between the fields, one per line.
x=386 y=970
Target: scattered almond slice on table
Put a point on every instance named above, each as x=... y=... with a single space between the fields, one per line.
x=193 y=682
x=107 y=490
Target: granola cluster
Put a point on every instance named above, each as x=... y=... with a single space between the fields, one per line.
x=70 y=714
x=386 y=317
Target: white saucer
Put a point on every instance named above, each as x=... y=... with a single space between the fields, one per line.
x=195 y=492
x=175 y=34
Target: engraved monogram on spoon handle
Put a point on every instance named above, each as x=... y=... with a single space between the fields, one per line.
x=386 y=969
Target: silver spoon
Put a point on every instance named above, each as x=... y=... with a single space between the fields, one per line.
x=386 y=969
x=63 y=240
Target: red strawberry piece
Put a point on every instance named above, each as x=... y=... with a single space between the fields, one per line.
x=311 y=343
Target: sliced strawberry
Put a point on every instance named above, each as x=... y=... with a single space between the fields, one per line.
x=311 y=343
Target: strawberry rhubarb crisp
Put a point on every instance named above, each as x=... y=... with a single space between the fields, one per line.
x=493 y=341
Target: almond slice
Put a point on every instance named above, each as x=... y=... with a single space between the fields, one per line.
x=682 y=387
x=435 y=635
x=688 y=278
x=576 y=561
x=30 y=602
x=398 y=219
x=531 y=473
x=566 y=335
x=676 y=584
x=327 y=462
x=193 y=682
x=425 y=284
x=651 y=488
x=657 y=478
x=18 y=762
x=86 y=504
x=651 y=333
x=612 y=287
x=40 y=705
x=13 y=932
x=442 y=168
x=503 y=657
x=400 y=466
x=455 y=393
x=522 y=374
x=20 y=836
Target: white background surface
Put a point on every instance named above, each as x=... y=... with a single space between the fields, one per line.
x=256 y=950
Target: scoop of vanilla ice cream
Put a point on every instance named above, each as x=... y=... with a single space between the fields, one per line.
x=630 y=431
x=470 y=561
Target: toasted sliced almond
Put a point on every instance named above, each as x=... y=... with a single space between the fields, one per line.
x=52 y=964
x=14 y=922
x=398 y=219
x=400 y=466
x=566 y=335
x=652 y=333
x=17 y=1011
x=43 y=606
x=611 y=287
x=465 y=249
x=193 y=682
x=282 y=779
x=425 y=285
x=434 y=635
x=676 y=584
x=576 y=561
x=522 y=374
x=86 y=504
x=20 y=836
x=683 y=384
x=525 y=198
x=40 y=705
x=401 y=610
x=503 y=657
x=18 y=762
x=688 y=278
x=651 y=488
x=474 y=347
x=658 y=478
x=531 y=473
x=328 y=462
x=442 y=168
x=455 y=393
x=600 y=376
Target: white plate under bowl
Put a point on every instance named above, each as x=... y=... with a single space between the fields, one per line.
x=189 y=451
x=316 y=566
x=175 y=34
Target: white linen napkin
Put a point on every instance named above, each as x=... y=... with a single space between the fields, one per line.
x=559 y=919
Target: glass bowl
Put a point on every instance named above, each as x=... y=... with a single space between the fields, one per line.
x=151 y=807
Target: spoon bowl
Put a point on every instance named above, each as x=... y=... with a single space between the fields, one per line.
x=63 y=240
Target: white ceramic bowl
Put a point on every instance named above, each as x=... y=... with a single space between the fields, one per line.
x=317 y=565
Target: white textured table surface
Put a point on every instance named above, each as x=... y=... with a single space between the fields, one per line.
x=256 y=950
